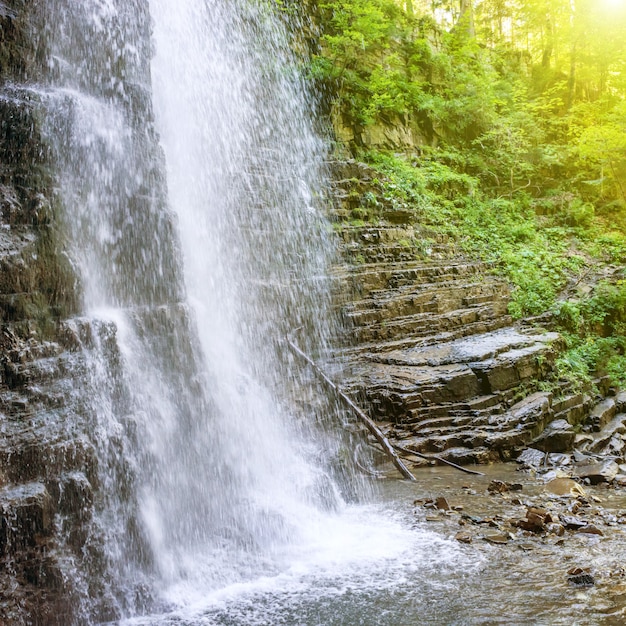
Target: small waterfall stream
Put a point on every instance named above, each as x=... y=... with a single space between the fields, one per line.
x=199 y=241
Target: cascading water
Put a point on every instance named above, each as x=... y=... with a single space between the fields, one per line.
x=210 y=472
x=197 y=256
x=166 y=434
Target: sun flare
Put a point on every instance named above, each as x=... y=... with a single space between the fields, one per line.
x=614 y=4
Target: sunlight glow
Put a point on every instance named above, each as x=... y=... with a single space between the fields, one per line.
x=614 y=4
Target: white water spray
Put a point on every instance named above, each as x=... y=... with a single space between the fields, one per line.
x=200 y=244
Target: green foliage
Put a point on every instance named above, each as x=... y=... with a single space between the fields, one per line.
x=505 y=233
x=519 y=112
x=595 y=330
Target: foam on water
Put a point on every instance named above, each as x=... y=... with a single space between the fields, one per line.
x=365 y=553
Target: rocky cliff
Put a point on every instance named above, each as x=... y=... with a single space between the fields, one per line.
x=433 y=352
x=55 y=570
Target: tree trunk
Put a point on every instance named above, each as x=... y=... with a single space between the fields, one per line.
x=466 y=18
x=549 y=44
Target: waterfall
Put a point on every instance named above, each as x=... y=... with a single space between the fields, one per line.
x=198 y=239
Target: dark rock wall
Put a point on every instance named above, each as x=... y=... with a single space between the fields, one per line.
x=54 y=567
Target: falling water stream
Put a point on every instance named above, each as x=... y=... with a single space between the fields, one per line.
x=198 y=235
x=193 y=187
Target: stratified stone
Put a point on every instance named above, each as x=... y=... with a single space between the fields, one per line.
x=26 y=512
x=602 y=413
x=531 y=458
x=558 y=436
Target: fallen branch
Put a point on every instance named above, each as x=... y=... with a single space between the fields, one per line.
x=371 y=426
x=437 y=458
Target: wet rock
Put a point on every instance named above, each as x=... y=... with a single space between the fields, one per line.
x=615 y=447
x=557 y=459
x=581 y=580
x=553 y=474
x=463 y=537
x=442 y=504
x=572 y=523
x=602 y=414
x=26 y=513
x=532 y=409
x=498 y=539
x=75 y=497
x=590 y=529
x=531 y=458
x=558 y=436
x=555 y=529
x=535 y=521
x=596 y=473
x=499 y=486
x=582 y=441
x=609 y=435
x=620 y=401
x=564 y=487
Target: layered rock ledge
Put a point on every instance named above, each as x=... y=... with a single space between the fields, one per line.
x=431 y=349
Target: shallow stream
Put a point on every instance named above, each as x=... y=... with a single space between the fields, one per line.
x=395 y=563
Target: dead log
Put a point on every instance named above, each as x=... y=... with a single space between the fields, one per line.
x=437 y=458
x=371 y=426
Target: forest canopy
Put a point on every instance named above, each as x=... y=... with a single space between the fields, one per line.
x=530 y=92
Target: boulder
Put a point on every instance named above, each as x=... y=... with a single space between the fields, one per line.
x=564 y=487
x=596 y=473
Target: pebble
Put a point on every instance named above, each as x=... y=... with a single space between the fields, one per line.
x=590 y=529
x=581 y=580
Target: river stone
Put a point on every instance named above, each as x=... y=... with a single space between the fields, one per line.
x=581 y=580
x=498 y=538
x=590 y=529
x=442 y=504
x=572 y=523
x=596 y=473
x=558 y=436
x=531 y=458
x=564 y=487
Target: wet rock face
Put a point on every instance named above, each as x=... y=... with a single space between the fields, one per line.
x=49 y=472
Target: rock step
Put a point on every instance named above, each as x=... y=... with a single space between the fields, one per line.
x=466 y=456
x=415 y=270
x=452 y=412
x=358 y=254
x=374 y=284
x=495 y=436
x=459 y=424
x=440 y=299
x=453 y=419
x=377 y=235
x=476 y=328
x=428 y=324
